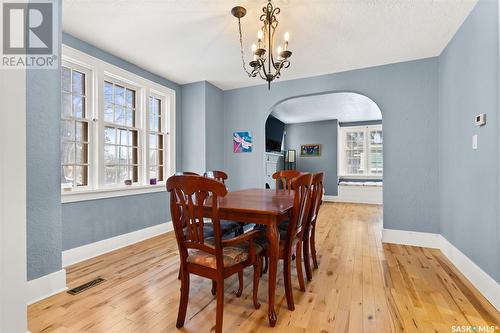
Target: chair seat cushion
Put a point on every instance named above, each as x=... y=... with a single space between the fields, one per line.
x=226 y=227
x=232 y=255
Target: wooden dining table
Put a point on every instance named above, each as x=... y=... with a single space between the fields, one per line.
x=265 y=207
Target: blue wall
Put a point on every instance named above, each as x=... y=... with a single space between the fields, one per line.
x=90 y=221
x=469 y=179
x=214 y=127
x=43 y=179
x=193 y=127
x=203 y=124
x=407 y=94
x=324 y=133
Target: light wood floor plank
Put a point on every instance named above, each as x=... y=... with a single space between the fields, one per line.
x=361 y=286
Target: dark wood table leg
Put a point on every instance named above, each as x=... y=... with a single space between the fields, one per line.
x=273 y=238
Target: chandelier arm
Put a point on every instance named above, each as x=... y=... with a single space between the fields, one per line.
x=274 y=27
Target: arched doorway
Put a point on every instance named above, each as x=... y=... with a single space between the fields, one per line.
x=339 y=133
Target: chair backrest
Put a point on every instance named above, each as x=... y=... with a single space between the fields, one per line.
x=302 y=201
x=217 y=175
x=186 y=173
x=188 y=196
x=316 y=195
x=284 y=178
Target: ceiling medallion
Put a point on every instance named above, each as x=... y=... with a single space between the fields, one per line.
x=265 y=63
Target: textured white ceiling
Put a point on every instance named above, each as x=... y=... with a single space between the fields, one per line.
x=346 y=107
x=194 y=40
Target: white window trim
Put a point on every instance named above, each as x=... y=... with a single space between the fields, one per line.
x=341 y=152
x=100 y=70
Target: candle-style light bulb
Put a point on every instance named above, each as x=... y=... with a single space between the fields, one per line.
x=260 y=34
x=254 y=48
x=287 y=37
x=279 y=52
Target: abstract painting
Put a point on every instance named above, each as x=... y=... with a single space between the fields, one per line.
x=309 y=150
x=242 y=142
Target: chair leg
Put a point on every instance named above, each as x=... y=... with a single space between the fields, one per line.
x=257 y=267
x=313 y=246
x=214 y=287
x=287 y=278
x=298 y=264
x=181 y=316
x=220 y=306
x=240 y=282
x=307 y=256
x=266 y=264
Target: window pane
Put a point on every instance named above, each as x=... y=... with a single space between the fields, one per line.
x=355 y=154
x=66 y=105
x=67 y=130
x=123 y=175
x=153 y=157
x=153 y=172
x=67 y=152
x=123 y=156
x=119 y=95
x=78 y=106
x=67 y=175
x=109 y=154
x=109 y=135
x=110 y=175
x=119 y=115
x=81 y=133
x=81 y=175
x=123 y=137
x=66 y=79
x=108 y=94
x=129 y=118
x=78 y=83
x=81 y=153
x=130 y=98
x=152 y=141
x=108 y=114
x=153 y=124
x=376 y=137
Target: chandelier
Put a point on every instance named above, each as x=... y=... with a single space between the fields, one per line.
x=265 y=63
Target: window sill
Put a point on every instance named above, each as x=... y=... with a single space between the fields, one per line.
x=103 y=193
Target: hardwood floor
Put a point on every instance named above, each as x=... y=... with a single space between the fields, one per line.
x=361 y=285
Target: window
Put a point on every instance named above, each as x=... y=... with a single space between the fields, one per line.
x=121 y=145
x=361 y=151
x=75 y=137
x=156 y=138
x=115 y=130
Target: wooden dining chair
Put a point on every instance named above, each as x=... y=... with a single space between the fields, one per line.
x=217 y=175
x=186 y=173
x=309 y=245
x=214 y=258
x=291 y=238
x=284 y=178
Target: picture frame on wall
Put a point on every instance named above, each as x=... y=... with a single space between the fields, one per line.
x=310 y=150
x=242 y=142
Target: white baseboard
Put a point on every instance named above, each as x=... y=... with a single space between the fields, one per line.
x=412 y=238
x=78 y=254
x=46 y=286
x=330 y=198
x=479 y=278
